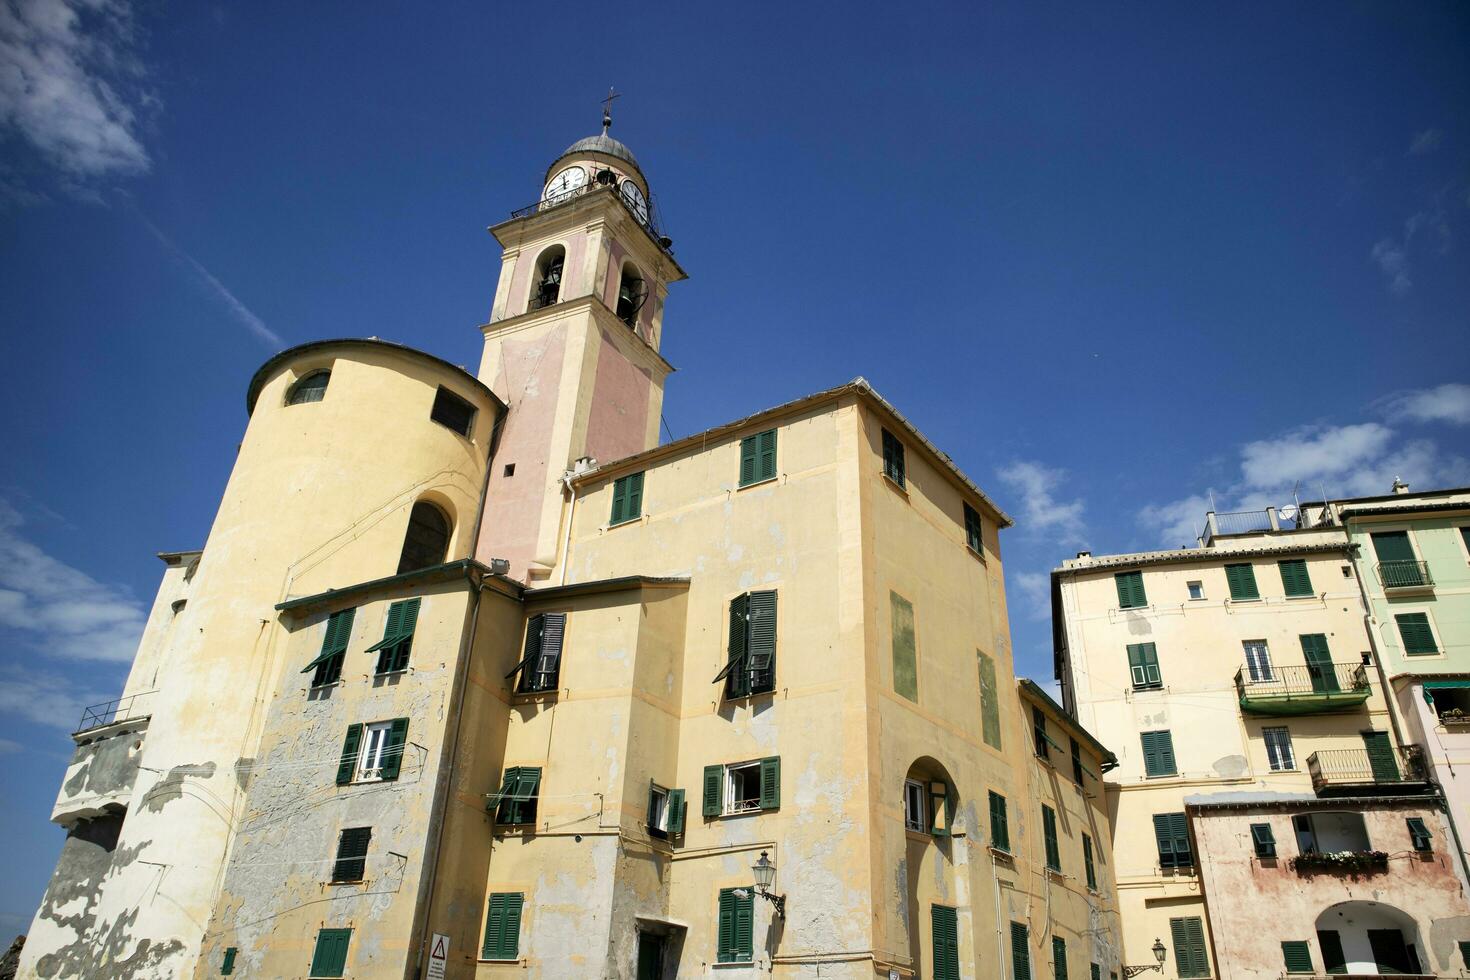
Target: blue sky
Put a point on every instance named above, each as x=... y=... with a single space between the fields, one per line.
x=1113 y=258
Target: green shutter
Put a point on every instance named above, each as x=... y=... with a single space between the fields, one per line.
x=749 y=453
x=758 y=458
x=1171 y=833
x=1242 y=580
x=766 y=466
x=1059 y=957
x=974 y=530
x=947 y=801
x=893 y=462
x=352 y=848
x=905 y=655
x=1393 y=546
x=1415 y=632
x=1143 y=664
x=989 y=702
x=228 y=966
x=1189 y=947
x=330 y=958
x=334 y=644
x=627 y=502
x=1020 y=952
x=1334 y=962
x=348 y=766
x=1319 y=663
x=771 y=783
x=1297 y=955
x=1049 y=829
x=1263 y=839
x=676 y=806
x=1158 y=753
x=736 y=927
x=1096 y=972
x=761 y=641
x=944 y=924
x=1381 y=757
x=737 y=683
x=393 y=749
x=1130 y=590
x=1294 y=578
x=503 y=926
x=1419 y=834
x=714 y=786
x=1000 y=831
x=1087 y=862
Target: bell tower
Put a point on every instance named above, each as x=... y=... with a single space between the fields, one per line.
x=572 y=346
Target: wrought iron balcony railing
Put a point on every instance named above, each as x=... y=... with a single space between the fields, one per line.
x=1357 y=768
x=118 y=709
x=1404 y=574
x=649 y=223
x=1301 y=688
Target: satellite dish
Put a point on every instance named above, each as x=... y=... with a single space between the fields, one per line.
x=1288 y=513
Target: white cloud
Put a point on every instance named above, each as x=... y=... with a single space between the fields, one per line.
x=53 y=700
x=8 y=746
x=72 y=85
x=1446 y=403
x=1178 y=522
x=1040 y=510
x=1426 y=142
x=1312 y=453
x=1034 y=589
x=1394 y=261
x=59 y=610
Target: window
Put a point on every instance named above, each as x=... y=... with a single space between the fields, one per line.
x=946 y=930
x=1000 y=831
x=1263 y=840
x=547 y=289
x=1297 y=955
x=312 y=388
x=1044 y=743
x=905 y=654
x=1143 y=664
x=427 y=539
x=1096 y=973
x=1419 y=835
x=665 y=811
x=372 y=752
x=393 y=649
x=632 y=294
x=1189 y=947
x=1320 y=668
x=742 y=787
x=1077 y=769
x=1398 y=566
x=736 y=926
x=1171 y=833
x=328 y=663
x=1257 y=660
x=1130 y=590
x=1242 y=582
x=1294 y=578
x=915 y=810
x=1196 y=590
x=989 y=702
x=503 y=926
x=1278 y=749
x=1059 y=958
x=452 y=412
x=1417 y=636
x=540 y=668
x=974 y=531
x=352 y=848
x=893 y=461
x=750 y=664
x=515 y=803
x=1451 y=704
x=758 y=458
x=330 y=958
x=1049 y=831
x=1158 y=754
x=228 y=966
x=1020 y=952
x=941 y=808
x=627 y=502
x=1327 y=832
x=1334 y=961
x=1087 y=862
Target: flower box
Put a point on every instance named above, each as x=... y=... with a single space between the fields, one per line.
x=1340 y=862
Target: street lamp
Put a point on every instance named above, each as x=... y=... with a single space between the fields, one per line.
x=765 y=877
x=1159 y=952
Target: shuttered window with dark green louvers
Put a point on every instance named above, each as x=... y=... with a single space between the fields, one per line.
x=1415 y=632
x=1143 y=665
x=714 y=786
x=1263 y=840
x=1020 y=952
x=1158 y=754
x=736 y=926
x=1087 y=863
x=750 y=665
x=771 y=783
x=540 y=665
x=1294 y=578
x=1242 y=580
x=627 y=504
x=1334 y=961
x=1000 y=830
x=1049 y=831
x=228 y=966
x=1189 y=947
x=393 y=749
x=328 y=663
x=393 y=649
x=330 y=957
x=944 y=923
x=351 y=745
x=905 y=648
x=1297 y=955
x=352 y=848
x=676 y=807
x=758 y=458
x=1130 y=590
x=1171 y=833
x=974 y=531
x=503 y=926
x=893 y=461
x=1419 y=835
x=1058 y=958
x=515 y=803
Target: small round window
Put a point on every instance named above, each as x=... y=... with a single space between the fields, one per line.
x=312 y=388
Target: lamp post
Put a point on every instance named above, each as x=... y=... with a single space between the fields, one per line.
x=765 y=877
x=1159 y=952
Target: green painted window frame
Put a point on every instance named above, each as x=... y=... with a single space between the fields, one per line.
x=1171 y=834
x=770 y=787
x=1143 y=666
x=227 y=967
x=515 y=804
x=352 y=851
x=1158 y=753
x=1131 y=594
x=1190 y=958
x=1049 y=833
x=329 y=959
x=1087 y=864
x=758 y=458
x=750 y=663
x=990 y=730
x=540 y=666
x=1296 y=955
x=1419 y=835
x=1296 y=581
x=974 y=531
x=735 y=932
x=502 y=940
x=904 y=626
x=1000 y=827
x=1418 y=637
x=1242 y=581
x=1058 y=958
x=1020 y=951
x=627 y=501
x=328 y=663
x=944 y=927
x=894 y=464
x=397 y=643
x=1263 y=840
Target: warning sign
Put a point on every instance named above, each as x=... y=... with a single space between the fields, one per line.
x=438 y=956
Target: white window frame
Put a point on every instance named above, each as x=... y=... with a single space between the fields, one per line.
x=1193 y=587
x=1280 y=753
x=1258 y=669
x=370 y=757
x=658 y=809
x=732 y=806
x=915 y=806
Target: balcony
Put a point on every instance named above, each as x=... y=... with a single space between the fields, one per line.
x=1348 y=772
x=648 y=221
x=1405 y=576
x=114 y=711
x=1304 y=689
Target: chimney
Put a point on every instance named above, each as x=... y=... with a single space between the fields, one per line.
x=1399 y=486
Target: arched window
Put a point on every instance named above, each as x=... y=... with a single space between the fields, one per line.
x=546 y=288
x=427 y=539
x=632 y=293
x=312 y=388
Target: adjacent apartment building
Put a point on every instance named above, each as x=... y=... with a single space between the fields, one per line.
x=1273 y=813
x=473 y=678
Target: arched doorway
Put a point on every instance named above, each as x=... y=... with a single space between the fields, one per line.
x=1368 y=937
x=934 y=884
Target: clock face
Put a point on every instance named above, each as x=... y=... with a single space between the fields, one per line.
x=564 y=183
x=635 y=200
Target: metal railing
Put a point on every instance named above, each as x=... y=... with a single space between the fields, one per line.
x=1404 y=574
x=1300 y=680
x=108 y=712
x=1244 y=522
x=650 y=224
x=1354 y=767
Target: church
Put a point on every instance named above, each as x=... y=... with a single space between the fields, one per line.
x=474 y=678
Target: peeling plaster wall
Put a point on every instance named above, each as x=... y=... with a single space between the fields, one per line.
x=103 y=769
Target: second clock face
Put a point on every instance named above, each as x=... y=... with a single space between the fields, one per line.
x=635 y=200
x=564 y=183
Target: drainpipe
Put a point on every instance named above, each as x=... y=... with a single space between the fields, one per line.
x=566 y=542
